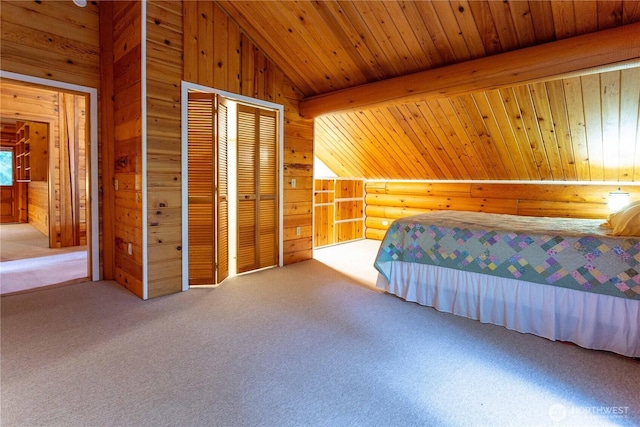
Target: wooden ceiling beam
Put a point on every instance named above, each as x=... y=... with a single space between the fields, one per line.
x=601 y=51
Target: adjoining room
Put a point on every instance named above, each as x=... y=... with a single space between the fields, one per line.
x=44 y=188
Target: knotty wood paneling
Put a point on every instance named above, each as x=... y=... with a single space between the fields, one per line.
x=126 y=64
x=389 y=200
x=338 y=210
x=574 y=129
x=198 y=42
x=164 y=66
x=578 y=128
x=106 y=151
x=218 y=54
x=71 y=171
x=298 y=163
x=38 y=205
x=52 y=40
x=342 y=44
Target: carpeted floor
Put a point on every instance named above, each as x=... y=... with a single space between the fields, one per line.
x=303 y=345
x=33 y=273
x=27 y=262
x=20 y=241
x=353 y=259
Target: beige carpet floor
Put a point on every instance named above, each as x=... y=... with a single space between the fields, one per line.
x=353 y=259
x=27 y=262
x=303 y=345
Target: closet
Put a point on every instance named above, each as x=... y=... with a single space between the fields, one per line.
x=233 y=188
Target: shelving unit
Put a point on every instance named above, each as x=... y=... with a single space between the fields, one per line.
x=338 y=210
x=32 y=150
x=32 y=161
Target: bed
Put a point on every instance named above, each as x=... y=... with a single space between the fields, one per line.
x=558 y=278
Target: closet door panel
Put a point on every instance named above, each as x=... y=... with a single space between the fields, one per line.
x=201 y=188
x=247 y=189
x=268 y=185
x=222 y=188
x=257 y=189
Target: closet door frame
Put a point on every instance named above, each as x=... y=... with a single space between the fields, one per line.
x=185 y=88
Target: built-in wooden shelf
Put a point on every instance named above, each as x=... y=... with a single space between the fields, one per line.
x=338 y=210
x=32 y=148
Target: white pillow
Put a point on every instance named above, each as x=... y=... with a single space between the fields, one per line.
x=627 y=221
x=614 y=218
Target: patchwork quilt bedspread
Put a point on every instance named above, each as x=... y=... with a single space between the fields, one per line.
x=572 y=253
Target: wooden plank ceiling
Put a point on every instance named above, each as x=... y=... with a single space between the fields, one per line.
x=578 y=128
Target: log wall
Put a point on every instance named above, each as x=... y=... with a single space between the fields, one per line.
x=389 y=200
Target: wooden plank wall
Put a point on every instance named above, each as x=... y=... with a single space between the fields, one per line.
x=574 y=129
x=338 y=210
x=198 y=42
x=38 y=205
x=70 y=165
x=218 y=54
x=298 y=164
x=164 y=208
x=53 y=40
x=127 y=140
x=389 y=200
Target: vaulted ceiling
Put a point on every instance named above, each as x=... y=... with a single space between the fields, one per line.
x=574 y=126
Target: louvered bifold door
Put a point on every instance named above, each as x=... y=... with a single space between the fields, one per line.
x=267 y=190
x=257 y=189
x=222 y=192
x=201 y=188
x=208 y=208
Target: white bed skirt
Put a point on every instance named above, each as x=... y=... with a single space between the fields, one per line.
x=599 y=322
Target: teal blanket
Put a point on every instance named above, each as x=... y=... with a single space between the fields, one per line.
x=572 y=253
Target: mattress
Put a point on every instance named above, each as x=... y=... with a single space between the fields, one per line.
x=562 y=279
x=571 y=253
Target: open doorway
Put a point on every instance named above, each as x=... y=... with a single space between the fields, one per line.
x=45 y=235
x=232 y=197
